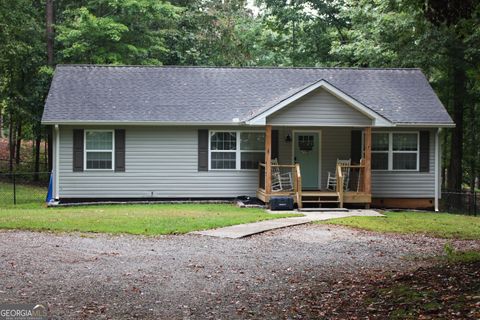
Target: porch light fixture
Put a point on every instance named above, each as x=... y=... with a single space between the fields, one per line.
x=288 y=138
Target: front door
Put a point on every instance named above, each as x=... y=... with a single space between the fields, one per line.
x=306 y=153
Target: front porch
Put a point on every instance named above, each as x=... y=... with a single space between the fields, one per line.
x=288 y=175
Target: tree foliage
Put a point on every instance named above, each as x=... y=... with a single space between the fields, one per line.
x=440 y=36
x=116 y=32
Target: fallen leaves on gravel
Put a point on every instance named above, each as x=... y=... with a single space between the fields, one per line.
x=446 y=291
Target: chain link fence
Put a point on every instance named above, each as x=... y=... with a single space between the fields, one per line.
x=26 y=166
x=464 y=202
x=23 y=188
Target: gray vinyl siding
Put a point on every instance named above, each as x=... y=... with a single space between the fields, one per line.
x=163 y=160
x=159 y=160
x=405 y=184
x=319 y=108
x=385 y=184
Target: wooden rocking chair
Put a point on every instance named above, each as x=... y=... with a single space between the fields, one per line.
x=281 y=181
x=332 y=178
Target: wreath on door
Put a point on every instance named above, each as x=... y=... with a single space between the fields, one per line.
x=305 y=143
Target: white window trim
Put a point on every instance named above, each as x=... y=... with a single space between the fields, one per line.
x=237 y=151
x=85 y=150
x=391 y=151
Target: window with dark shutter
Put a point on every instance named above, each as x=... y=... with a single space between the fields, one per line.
x=424 y=151
x=120 y=150
x=203 y=150
x=78 y=150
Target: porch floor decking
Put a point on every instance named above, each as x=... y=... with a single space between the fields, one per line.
x=348 y=196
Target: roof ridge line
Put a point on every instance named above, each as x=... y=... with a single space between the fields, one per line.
x=232 y=67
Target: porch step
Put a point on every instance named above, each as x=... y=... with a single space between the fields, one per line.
x=320 y=201
x=323 y=209
x=320 y=198
x=319 y=194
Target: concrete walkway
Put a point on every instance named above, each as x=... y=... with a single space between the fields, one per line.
x=248 y=229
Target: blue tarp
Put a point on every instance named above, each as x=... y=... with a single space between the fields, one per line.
x=50 y=190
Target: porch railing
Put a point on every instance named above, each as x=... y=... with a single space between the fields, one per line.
x=339 y=175
x=286 y=179
x=298 y=193
x=353 y=177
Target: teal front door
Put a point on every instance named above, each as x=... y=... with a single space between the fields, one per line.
x=306 y=153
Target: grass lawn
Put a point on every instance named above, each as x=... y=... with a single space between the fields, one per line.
x=27 y=196
x=441 y=225
x=31 y=214
x=134 y=219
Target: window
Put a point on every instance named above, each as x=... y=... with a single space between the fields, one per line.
x=223 y=146
x=395 y=151
x=380 y=142
x=252 y=149
x=99 y=149
x=405 y=151
x=236 y=149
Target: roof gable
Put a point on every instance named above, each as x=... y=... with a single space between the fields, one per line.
x=324 y=85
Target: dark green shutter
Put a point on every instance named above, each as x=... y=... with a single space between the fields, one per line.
x=424 y=151
x=356 y=146
x=120 y=150
x=203 y=150
x=77 y=150
x=274 y=144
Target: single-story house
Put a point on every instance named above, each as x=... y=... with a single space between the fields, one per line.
x=320 y=135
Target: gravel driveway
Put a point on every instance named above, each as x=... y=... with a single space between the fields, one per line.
x=271 y=275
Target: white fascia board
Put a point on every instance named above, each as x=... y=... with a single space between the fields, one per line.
x=377 y=119
x=426 y=125
x=323 y=125
x=261 y=121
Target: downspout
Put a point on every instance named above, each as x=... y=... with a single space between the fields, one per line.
x=57 y=162
x=437 y=168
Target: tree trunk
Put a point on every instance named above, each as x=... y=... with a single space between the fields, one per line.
x=38 y=145
x=2 y=135
x=18 y=143
x=11 y=143
x=455 y=174
x=473 y=147
x=50 y=148
x=444 y=160
x=45 y=150
x=50 y=32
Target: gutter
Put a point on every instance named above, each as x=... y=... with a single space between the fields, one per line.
x=426 y=125
x=145 y=123
x=232 y=123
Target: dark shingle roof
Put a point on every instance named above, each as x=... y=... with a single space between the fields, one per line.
x=203 y=94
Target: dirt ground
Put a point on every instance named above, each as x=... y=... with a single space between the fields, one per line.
x=293 y=273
